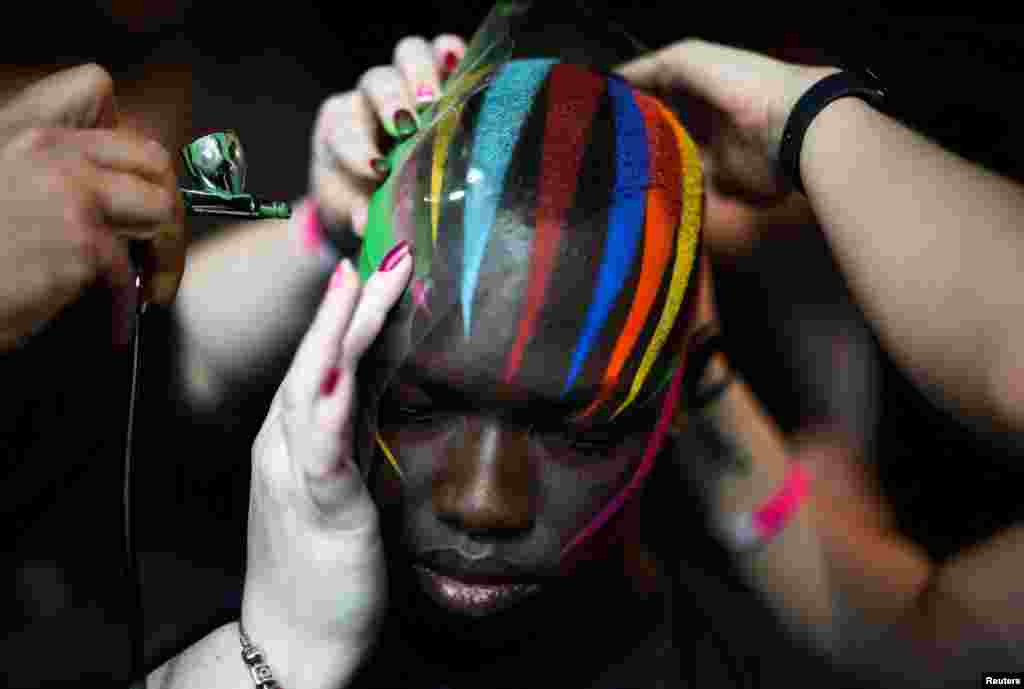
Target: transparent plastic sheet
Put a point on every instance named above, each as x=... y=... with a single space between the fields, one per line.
x=440 y=190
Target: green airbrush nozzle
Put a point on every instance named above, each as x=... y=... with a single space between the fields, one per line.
x=216 y=165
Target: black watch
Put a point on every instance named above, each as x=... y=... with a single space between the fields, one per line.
x=862 y=83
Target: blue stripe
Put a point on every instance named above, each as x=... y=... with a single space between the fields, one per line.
x=625 y=219
x=507 y=103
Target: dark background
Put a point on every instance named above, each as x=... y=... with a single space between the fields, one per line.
x=186 y=68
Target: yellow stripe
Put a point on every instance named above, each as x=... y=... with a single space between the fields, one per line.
x=686 y=249
x=387 y=453
x=445 y=130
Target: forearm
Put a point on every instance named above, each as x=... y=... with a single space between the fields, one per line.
x=744 y=462
x=932 y=245
x=215 y=662
x=247 y=296
x=841 y=572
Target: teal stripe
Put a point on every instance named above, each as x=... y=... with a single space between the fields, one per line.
x=507 y=102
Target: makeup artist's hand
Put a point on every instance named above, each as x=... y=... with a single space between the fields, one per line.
x=71 y=189
x=315 y=581
x=354 y=130
x=737 y=104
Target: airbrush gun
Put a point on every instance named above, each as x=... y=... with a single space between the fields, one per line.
x=216 y=164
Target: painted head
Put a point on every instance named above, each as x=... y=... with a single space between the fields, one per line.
x=520 y=391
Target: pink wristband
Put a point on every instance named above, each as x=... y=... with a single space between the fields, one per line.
x=311 y=234
x=753 y=530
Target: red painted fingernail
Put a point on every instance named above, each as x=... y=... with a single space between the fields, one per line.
x=340 y=276
x=405 y=123
x=330 y=381
x=393 y=257
x=381 y=166
x=451 y=61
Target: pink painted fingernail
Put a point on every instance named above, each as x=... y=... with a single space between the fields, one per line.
x=330 y=381
x=424 y=94
x=341 y=273
x=394 y=257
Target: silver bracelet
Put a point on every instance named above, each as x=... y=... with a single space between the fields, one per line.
x=254 y=660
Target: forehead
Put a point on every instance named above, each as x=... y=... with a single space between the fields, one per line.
x=560 y=259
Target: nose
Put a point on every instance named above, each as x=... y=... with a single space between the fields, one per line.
x=487 y=487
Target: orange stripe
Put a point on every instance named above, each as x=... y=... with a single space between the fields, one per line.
x=659 y=229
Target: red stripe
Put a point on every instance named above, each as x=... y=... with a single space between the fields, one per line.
x=573 y=97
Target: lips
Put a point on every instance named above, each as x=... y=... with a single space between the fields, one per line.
x=476 y=596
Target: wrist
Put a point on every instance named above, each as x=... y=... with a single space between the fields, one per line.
x=796 y=82
x=296 y=658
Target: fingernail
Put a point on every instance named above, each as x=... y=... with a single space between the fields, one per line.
x=381 y=166
x=330 y=381
x=404 y=123
x=393 y=257
x=451 y=61
x=341 y=274
x=424 y=94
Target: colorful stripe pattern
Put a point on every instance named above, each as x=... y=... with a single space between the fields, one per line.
x=539 y=153
x=562 y=206
x=506 y=105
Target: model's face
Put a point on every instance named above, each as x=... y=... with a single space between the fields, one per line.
x=497 y=478
x=546 y=314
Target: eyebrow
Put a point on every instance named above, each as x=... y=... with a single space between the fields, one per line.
x=445 y=396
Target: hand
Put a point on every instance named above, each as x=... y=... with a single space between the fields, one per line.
x=315 y=582
x=71 y=188
x=67 y=197
x=746 y=98
x=348 y=163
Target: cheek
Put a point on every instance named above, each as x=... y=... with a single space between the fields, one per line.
x=420 y=451
x=575 y=489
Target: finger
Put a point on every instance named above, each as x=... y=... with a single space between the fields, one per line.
x=80 y=97
x=391 y=100
x=111 y=258
x=343 y=200
x=133 y=205
x=380 y=294
x=123 y=151
x=449 y=50
x=318 y=351
x=165 y=261
x=414 y=58
x=719 y=74
x=345 y=139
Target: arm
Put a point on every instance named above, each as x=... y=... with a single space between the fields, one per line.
x=932 y=245
x=841 y=575
x=250 y=291
x=248 y=295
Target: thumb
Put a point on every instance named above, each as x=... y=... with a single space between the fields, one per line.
x=80 y=97
x=730 y=79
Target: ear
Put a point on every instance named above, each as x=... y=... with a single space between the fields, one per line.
x=705 y=320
